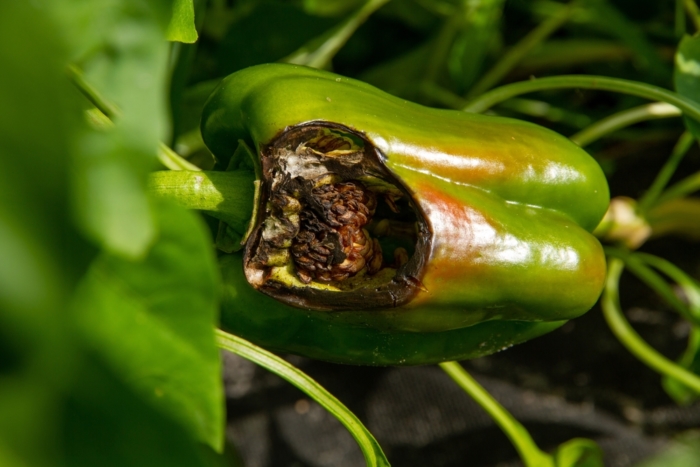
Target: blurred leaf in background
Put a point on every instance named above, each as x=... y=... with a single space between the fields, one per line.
x=75 y=389
x=120 y=56
x=43 y=255
x=686 y=76
x=154 y=321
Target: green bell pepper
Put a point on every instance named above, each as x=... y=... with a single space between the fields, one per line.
x=391 y=233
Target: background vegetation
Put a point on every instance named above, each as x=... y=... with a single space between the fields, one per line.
x=109 y=297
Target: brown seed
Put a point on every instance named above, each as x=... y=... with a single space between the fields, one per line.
x=333 y=245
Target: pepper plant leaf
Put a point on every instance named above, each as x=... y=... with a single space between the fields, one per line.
x=109 y=425
x=154 y=319
x=38 y=245
x=477 y=34
x=181 y=27
x=120 y=50
x=578 y=452
x=61 y=404
x=686 y=76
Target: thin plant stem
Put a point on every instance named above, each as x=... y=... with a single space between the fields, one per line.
x=684 y=143
x=442 y=95
x=686 y=186
x=91 y=93
x=521 y=49
x=623 y=119
x=601 y=83
x=319 y=52
x=369 y=446
x=530 y=454
x=541 y=109
x=690 y=287
x=441 y=47
x=533 y=108
x=651 y=278
x=694 y=13
x=630 y=339
x=173 y=160
x=680 y=19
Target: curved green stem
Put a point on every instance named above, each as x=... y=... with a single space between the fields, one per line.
x=531 y=455
x=369 y=446
x=173 y=160
x=628 y=336
x=690 y=287
x=686 y=186
x=624 y=119
x=91 y=93
x=635 y=264
x=693 y=12
x=541 y=109
x=602 y=83
x=225 y=195
x=654 y=192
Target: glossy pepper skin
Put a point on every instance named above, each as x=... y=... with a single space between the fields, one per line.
x=504 y=209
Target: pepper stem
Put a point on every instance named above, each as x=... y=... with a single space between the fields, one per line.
x=530 y=454
x=228 y=196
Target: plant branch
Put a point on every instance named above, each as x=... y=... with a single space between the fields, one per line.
x=686 y=186
x=602 y=83
x=369 y=446
x=651 y=278
x=623 y=119
x=531 y=455
x=521 y=49
x=318 y=52
x=654 y=192
x=173 y=160
x=693 y=12
x=630 y=339
x=91 y=93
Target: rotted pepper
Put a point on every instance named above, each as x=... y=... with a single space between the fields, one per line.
x=390 y=233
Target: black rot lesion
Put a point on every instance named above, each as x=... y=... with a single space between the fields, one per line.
x=333 y=243
x=336 y=230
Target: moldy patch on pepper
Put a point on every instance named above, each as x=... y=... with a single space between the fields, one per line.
x=336 y=229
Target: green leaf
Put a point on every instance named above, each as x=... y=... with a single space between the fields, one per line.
x=369 y=446
x=686 y=75
x=153 y=320
x=106 y=424
x=181 y=27
x=477 y=34
x=42 y=254
x=120 y=48
x=681 y=452
x=578 y=452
